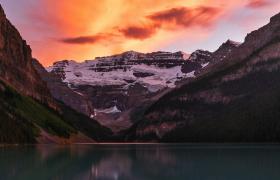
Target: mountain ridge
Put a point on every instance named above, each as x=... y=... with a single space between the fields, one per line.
x=235 y=100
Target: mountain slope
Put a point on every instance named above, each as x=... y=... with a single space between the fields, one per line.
x=21 y=118
x=236 y=100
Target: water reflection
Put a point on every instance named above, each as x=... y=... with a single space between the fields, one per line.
x=140 y=162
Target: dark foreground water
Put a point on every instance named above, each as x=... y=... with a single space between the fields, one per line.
x=159 y=162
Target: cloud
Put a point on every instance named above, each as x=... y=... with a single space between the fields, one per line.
x=170 y=19
x=87 y=39
x=174 y=18
x=82 y=40
x=257 y=3
x=139 y=32
x=185 y=17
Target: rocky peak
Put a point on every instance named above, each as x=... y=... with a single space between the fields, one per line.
x=64 y=63
x=2 y=13
x=196 y=61
x=264 y=35
x=201 y=56
x=16 y=67
x=230 y=43
x=258 y=39
x=275 y=18
x=224 y=50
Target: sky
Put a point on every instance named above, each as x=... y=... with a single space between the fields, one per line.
x=84 y=29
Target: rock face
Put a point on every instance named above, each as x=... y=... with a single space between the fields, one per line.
x=225 y=50
x=16 y=67
x=235 y=100
x=202 y=58
x=197 y=60
x=62 y=92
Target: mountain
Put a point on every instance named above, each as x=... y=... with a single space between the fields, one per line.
x=201 y=58
x=115 y=86
x=28 y=112
x=234 y=100
x=225 y=50
x=196 y=61
x=15 y=53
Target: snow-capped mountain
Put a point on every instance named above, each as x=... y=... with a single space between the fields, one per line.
x=116 y=84
x=153 y=71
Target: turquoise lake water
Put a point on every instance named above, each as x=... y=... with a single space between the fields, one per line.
x=141 y=162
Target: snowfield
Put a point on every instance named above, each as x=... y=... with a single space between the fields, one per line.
x=154 y=79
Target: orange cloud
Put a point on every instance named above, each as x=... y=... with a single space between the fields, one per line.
x=88 y=28
x=178 y=17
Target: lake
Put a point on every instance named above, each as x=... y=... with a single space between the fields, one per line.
x=141 y=162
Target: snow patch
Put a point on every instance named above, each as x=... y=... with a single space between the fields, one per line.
x=111 y=110
x=204 y=65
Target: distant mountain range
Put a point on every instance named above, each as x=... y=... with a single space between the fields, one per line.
x=230 y=95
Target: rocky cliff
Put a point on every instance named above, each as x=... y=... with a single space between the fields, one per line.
x=16 y=67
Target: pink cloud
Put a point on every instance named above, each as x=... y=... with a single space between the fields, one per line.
x=258 y=3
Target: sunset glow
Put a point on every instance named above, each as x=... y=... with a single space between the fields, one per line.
x=84 y=29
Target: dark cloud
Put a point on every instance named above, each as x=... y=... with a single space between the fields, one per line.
x=97 y=38
x=82 y=39
x=257 y=3
x=138 y=32
x=180 y=17
x=183 y=16
x=175 y=14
